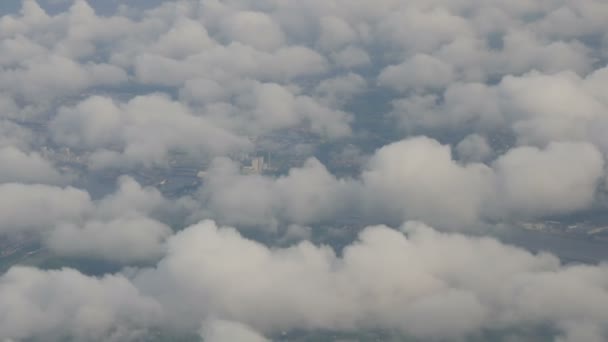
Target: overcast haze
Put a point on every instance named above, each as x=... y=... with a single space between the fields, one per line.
x=257 y=170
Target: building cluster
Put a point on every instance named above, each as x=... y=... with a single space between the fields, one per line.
x=258 y=166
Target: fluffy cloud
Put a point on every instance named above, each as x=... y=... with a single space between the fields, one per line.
x=224 y=331
x=19 y=166
x=418 y=179
x=213 y=274
x=415 y=179
x=431 y=297
x=341 y=89
x=121 y=240
x=560 y=179
x=14 y=136
x=303 y=196
x=54 y=305
x=421 y=72
x=473 y=148
x=256 y=29
x=33 y=207
x=141 y=131
x=335 y=33
x=536 y=108
x=229 y=62
x=122 y=227
x=262 y=107
x=50 y=77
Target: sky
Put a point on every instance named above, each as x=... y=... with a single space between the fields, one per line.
x=459 y=116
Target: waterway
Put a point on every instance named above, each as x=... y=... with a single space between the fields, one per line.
x=568 y=249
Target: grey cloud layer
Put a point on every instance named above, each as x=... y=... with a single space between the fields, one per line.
x=419 y=179
x=414 y=179
x=238 y=280
x=120 y=227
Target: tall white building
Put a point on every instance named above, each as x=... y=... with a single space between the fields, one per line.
x=257 y=164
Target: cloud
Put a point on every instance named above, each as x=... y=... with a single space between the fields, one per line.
x=351 y=57
x=256 y=29
x=54 y=305
x=560 y=179
x=259 y=108
x=341 y=89
x=47 y=78
x=473 y=148
x=418 y=179
x=419 y=73
x=238 y=286
x=124 y=227
x=122 y=240
x=430 y=297
x=21 y=167
x=414 y=179
x=32 y=207
x=224 y=331
x=185 y=38
x=536 y=108
x=15 y=136
x=563 y=111
x=305 y=195
x=335 y=33
x=142 y=131
x=232 y=61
